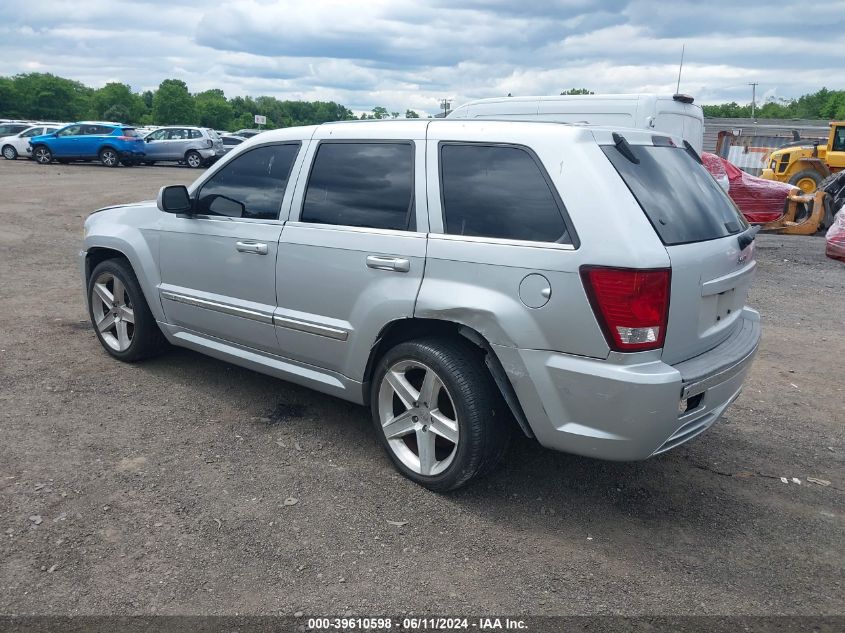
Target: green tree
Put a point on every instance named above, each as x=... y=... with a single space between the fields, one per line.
x=577 y=91
x=213 y=110
x=411 y=114
x=8 y=98
x=380 y=112
x=117 y=102
x=172 y=103
x=47 y=97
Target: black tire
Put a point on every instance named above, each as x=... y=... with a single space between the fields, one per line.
x=109 y=157
x=193 y=159
x=63 y=161
x=149 y=163
x=146 y=338
x=484 y=423
x=42 y=155
x=812 y=174
x=9 y=152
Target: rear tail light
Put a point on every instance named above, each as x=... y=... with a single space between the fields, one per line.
x=632 y=306
x=127 y=138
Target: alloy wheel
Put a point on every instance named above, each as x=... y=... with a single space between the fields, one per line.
x=194 y=160
x=9 y=153
x=109 y=158
x=43 y=156
x=114 y=316
x=418 y=417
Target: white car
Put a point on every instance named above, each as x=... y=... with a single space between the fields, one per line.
x=18 y=144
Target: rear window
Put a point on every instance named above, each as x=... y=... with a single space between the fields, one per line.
x=129 y=131
x=681 y=200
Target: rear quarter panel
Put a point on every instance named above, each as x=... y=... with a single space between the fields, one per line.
x=476 y=281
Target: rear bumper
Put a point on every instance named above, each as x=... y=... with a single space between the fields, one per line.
x=629 y=411
x=130 y=153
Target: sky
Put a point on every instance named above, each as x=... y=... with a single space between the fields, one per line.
x=413 y=53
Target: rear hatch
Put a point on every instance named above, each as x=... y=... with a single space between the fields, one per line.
x=216 y=142
x=705 y=235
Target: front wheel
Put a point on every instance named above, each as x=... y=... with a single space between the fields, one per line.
x=193 y=159
x=42 y=155
x=119 y=313
x=807 y=180
x=438 y=413
x=9 y=152
x=109 y=157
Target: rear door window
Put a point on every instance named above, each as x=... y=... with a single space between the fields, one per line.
x=499 y=191
x=362 y=184
x=681 y=200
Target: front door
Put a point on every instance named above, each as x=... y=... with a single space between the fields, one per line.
x=67 y=141
x=155 y=147
x=351 y=259
x=218 y=265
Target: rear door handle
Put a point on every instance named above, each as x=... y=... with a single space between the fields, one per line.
x=380 y=262
x=251 y=247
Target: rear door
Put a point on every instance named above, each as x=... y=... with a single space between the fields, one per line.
x=700 y=226
x=351 y=259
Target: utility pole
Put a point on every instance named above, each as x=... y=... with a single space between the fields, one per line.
x=445 y=105
x=753 y=85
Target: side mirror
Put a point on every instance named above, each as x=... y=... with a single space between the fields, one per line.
x=174 y=199
x=148 y=140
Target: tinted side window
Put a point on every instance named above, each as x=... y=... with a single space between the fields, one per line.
x=362 y=184
x=498 y=191
x=195 y=134
x=251 y=186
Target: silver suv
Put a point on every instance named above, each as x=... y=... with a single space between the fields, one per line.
x=194 y=146
x=584 y=286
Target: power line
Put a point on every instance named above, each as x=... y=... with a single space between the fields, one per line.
x=753 y=85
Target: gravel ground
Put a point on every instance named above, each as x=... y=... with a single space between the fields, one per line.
x=185 y=485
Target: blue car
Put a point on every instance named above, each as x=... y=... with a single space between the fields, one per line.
x=110 y=143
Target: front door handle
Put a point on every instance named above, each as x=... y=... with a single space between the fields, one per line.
x=380 y=262
x=251 y=247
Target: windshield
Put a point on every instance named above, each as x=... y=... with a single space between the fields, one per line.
x=681 y=200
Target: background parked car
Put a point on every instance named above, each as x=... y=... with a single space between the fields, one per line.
x=230 y=142
x=246 y=132
x=110 y=143
x=18 y=144
x=195 y=146
x=8 y=129
x=759 y=200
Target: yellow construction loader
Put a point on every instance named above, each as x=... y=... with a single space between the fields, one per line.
x=806 y=164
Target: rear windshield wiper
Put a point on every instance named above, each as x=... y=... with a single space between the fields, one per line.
x=624 y=148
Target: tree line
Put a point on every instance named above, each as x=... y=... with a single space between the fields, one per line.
x=823 y=104
x=47 y=97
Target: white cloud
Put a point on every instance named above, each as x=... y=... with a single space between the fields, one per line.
x=411 y=53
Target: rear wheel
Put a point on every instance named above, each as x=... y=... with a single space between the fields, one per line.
x=9 y=152
x=193 y=159
x=119 y=313
x=42 y=155
x=807 y=180
x=109 y=157
x=438 y=413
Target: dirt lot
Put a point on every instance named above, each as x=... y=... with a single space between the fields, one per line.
x=161 y=487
